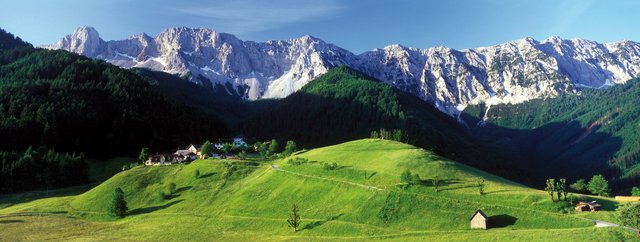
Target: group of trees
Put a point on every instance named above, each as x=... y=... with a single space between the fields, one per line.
x=40 y=168
x=558 y=187
x=395 y=135
x=598 y=185
x=407 y=178
x=272 y=148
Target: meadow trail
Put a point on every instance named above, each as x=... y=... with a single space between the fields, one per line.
x=274 y=167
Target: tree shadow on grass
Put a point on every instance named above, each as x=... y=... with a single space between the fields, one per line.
x=210 y=174
x=498 y=191
x=138 y=211
x=320 y=222
x=501 y=221
x=10 y=221
x=24 y=214
x=182 y=189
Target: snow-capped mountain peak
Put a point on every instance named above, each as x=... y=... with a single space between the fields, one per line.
x=512 y=72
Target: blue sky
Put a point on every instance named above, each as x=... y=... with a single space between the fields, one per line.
x=357 y=25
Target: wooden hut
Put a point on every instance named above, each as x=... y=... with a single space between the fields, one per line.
x=479 y=220
x=587 y=206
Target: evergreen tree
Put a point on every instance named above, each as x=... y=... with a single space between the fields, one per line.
x=118 y=205
x=294 y=218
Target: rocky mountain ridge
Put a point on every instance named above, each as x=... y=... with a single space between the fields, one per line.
x=512 y=72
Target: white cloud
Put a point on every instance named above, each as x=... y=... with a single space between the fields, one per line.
x=248 y=16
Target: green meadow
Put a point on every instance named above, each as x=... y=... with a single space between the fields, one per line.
x=358 y=198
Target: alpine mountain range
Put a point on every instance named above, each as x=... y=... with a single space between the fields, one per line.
x=450 y=79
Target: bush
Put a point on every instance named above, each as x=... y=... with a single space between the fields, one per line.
x=332 y=166
x=635 y=191
x=170 y=188
x=629 y=215
x=297 y=161
x=579 y=186
x=196 y=173
x=160 y=196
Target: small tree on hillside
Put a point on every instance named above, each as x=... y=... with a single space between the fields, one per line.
x=196 y=173
x=561 y=188
x=635 y=191
x=599 y=186
x=551 y=187
x=263 y=149
x=579 y=186
x=435 y=181
x=290 y=147
x=143 y=155
x=629 y=215
x=480 y=183
x=170 y=188
x=294 y=218
x=118 y=205
x=207 y=149
x=273 y=147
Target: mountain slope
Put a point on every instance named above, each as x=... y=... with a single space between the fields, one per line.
x=250 y=200
x=344 y=104
x=218 y=100
x=512 y=72
x=573 y=136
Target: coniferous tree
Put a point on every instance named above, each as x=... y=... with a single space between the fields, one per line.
x=118 y=206
x=294 y=218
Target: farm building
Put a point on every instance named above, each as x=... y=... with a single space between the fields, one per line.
x=479 y=220
x=587 y=206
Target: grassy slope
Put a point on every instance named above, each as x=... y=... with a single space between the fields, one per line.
x=254 y=201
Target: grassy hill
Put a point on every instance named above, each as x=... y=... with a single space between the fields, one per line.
x=572 y=136
x=343 y=105
x=358 y=200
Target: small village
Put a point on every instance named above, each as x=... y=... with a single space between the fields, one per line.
x=219 y=150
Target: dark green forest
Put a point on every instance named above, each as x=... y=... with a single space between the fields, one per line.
x=73 y=104
x=575 y=136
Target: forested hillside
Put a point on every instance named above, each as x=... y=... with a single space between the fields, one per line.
x=215 y=99
x=73 y=104
x=574 y=136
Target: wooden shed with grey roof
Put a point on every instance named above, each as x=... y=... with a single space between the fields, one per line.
x=479 y=220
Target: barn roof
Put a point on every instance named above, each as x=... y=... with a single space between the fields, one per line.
x=481 y=214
